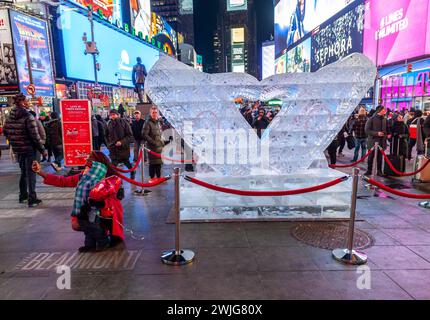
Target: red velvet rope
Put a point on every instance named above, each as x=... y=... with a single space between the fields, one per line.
x=167 y=158
x=390 y=164
x=131 y=169
x=266 y=193
x=140 y=184
x=396 y=192
x=355 y=163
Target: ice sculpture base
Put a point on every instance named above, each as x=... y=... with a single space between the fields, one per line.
x=201 y=204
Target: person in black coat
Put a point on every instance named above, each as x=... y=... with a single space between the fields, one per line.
x=21 y=130
x=400 y=136
x=137 y=128
x=419 y=121
x=102 y=126
x=260 y=122
x=118 y=140
x=54 y=138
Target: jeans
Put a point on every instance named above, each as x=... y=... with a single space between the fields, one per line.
x=58 y=154
x=359 y=142
x=95 y=234
x=28 y=177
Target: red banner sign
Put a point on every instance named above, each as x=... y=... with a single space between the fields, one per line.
x=76 y=124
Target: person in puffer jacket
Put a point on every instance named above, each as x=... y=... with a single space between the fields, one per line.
x=21 y=130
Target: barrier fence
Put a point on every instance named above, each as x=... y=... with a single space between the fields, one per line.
x=347 y=255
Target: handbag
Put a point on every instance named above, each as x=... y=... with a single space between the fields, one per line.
x=350 y=142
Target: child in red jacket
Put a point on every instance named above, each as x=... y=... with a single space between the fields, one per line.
x=94 y=194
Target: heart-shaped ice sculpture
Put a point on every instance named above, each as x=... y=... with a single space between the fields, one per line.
x=314 y=108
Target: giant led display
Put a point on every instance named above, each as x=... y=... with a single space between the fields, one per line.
x=33 y=31
x=8 y=73
x=400 y=27
x=107 y=9
x=141 y=16
x=295 y=18
x=299 y=57
x=237 y=5
x=339 y=38
x=118 y=52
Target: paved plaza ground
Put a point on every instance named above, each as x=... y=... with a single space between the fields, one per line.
x=240 y=260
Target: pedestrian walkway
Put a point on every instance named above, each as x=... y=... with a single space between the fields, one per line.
x=238 y=260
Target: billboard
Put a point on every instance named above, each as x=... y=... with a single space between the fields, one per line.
x=76 y=127
x=236 y=5
x=161 y=31
x=299 y=57
x=8 y=72
x=268 y=60
x=338 y=38
x=141 y=16
x=296 y=18
x=238 y=49
x=107 y=9
x=281 y=64
x=186 y=7
x=400 y=27
x=118 y=52
x=34 y=31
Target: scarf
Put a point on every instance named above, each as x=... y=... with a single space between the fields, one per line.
x=86 y=183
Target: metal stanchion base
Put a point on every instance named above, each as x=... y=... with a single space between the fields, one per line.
x=143 y=192
x=344 y=256
x=176 y=258
x=424 y=204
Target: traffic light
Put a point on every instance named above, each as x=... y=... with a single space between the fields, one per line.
x=409 y=68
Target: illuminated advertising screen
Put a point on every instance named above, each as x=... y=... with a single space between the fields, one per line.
x=141 y=16
x=295 y=18
x=281 y=64
x=402 y=26
x=299 y=57
x=268 y=60
x=186 y=7
x=34 y=31
x=107 y=9
x=118 y=52
x=339 y=38
x=236 y=5
x=163 y=32
x=238 y=49
x=8 y=72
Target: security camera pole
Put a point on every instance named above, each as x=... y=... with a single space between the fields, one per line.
x=91 y=47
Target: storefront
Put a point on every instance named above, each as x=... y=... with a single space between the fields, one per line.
x=401 y=88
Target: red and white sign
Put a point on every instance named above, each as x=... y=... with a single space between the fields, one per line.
x=76 y=125
x=31 y=89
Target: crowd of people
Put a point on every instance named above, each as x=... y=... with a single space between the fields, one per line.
x=257 y=115
x=401 y=131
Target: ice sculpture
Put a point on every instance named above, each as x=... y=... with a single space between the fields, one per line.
x=315 y=107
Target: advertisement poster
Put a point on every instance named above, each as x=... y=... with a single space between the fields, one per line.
x=400 y=27
x=116 y=61
x=339 y=38
x=268 y=60
x=76 y=125
x=296 y=18
x=107 y=9
x=141 y=17
x=299 y=58
x=8 y=73
x=34 y=31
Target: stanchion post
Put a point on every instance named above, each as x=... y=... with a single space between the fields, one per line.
x=349 y=255
x=177 y=256
x=375 y=160
x=142 y=192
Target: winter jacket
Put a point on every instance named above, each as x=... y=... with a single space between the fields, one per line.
x=42 y=131
x=259 y=125
x=399 y=144
x=153 y=140
x=22 y=132
x=53 y=133
x=374 y=125
x=358 y=127
x=137 y=128
x=111 y=202
x=119 y=130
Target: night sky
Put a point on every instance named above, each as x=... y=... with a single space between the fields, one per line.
x=205 y=12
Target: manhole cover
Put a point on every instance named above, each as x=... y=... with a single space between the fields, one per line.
x=330 y=235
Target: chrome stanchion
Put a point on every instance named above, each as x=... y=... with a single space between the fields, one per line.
x=177 y=256
x=142 y=192
x=349 y=255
